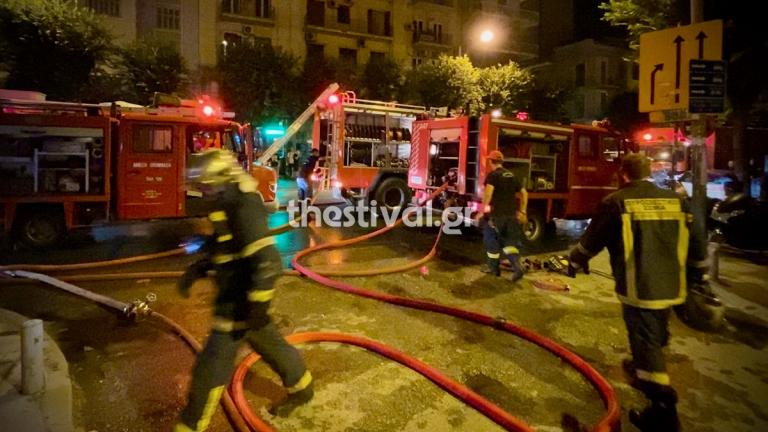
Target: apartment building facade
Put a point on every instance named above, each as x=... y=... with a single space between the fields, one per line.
x=407 y=31
x=594 y=72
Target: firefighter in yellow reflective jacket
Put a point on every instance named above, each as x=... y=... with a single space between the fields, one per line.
x=645 y=229
x=247 y=265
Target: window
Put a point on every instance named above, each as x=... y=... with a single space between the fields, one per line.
x=316 y=13
x=231 y=6
x=104 y=7
x=348 y=56
x=315 y=52
x=342 y=15
x=377 y=56
x=152 y=139
x=379 y=22
x=586 y=146
x=232 y=39
x=580 y=74
x=168 y=17
x=610 y=148
x=263 y=9
x=603 y=102
x=603 y=72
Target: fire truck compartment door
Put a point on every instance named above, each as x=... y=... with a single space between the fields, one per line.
x=149 y=171
x=418 y=169
x=592 y=176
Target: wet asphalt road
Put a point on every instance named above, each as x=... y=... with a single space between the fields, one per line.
x=133 y=376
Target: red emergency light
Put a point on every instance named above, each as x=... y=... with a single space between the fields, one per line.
x=333 y=99
x=207 y=108
x=522 y=116
x=648 y=137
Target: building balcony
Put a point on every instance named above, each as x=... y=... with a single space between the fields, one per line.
x=432 y=38
x=448 y=3
x=493 y=7
x=247 y=11
x=354 y=29
x=527 y=16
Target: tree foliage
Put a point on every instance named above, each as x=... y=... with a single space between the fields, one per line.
x=641 y=16
x=51 y=46
x=382 y=79
x=456 y=83
x=546 y=102
x=260 y=82
x=151 y=65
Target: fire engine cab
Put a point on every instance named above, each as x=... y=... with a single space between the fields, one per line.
x=64 y=165
x=566 y=169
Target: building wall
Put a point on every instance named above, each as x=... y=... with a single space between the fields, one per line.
x=595 y=72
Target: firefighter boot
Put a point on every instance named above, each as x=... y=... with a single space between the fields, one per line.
x=517 y=268
x=661 y=415
x=492 y=265
x=296 y=397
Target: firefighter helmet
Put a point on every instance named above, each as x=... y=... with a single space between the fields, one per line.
x=212 y=167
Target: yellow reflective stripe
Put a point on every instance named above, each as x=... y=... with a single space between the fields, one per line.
x=210 y=407
x=223 y=238
x=256 y=246
x=655 y=216
x=656 y=377
x=227 y=325
x=629 y=254
x=181 y=427
x=493 y=255
x=217 y=216
x=511 y=250
x=223 y=258
x=261 y=296
x=682 y=254
x=652 y=205
x=303 y=383
x=651 y=304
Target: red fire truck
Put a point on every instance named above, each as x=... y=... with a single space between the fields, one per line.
x=566 y=169
x=386 y=151
x=65 y=165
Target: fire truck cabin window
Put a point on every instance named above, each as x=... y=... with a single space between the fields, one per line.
x=152 y=139
x=610 y=148
x=586 y=146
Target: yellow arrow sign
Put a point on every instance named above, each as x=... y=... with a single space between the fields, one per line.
x=664 y=59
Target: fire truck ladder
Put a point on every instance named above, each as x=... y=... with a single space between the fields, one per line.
x=297 y=124
x=329 y=191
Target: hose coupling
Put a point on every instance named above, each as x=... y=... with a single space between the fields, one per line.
x=137 y=310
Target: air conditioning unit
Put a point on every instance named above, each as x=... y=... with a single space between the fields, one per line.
x=247 y=29
x=310 y=36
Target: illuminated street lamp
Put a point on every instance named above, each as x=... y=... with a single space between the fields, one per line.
x=486 y=36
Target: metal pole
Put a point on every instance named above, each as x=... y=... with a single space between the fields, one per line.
x=32 y=364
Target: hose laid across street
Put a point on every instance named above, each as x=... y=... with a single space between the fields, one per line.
x=234 y=402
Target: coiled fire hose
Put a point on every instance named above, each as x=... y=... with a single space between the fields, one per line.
x=234 y=402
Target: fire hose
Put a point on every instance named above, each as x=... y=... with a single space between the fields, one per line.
x=234 y=402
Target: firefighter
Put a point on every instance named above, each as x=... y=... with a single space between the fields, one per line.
x=304 y=180
x=502 y=233
x=246 y=265
x=645 y=229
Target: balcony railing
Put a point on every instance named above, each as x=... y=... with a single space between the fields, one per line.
x=492 y=6
x=432 y=38
x=248 y=13
x=356 y=27
x=449 y=3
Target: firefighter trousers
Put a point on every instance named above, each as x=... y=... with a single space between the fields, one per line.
x=648 y=335
x=216 y=363
x=502 y=235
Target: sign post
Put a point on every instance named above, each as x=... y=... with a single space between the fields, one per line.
x=681 y=69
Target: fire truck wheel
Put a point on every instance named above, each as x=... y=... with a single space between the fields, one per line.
x=536 y=227
x=393 y=192
x=39 y=229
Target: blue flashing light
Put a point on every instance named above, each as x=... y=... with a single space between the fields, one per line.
x=274 y=131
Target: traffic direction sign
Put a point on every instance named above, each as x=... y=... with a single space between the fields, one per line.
x=707 y=87
x=665 y=56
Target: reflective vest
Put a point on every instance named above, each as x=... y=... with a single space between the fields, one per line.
x=645 y=229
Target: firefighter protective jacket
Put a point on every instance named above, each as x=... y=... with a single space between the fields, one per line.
x=645 y=229
x=243 y=255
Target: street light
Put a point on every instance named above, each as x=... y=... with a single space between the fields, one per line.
x=486 y=36
x=224 y=44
